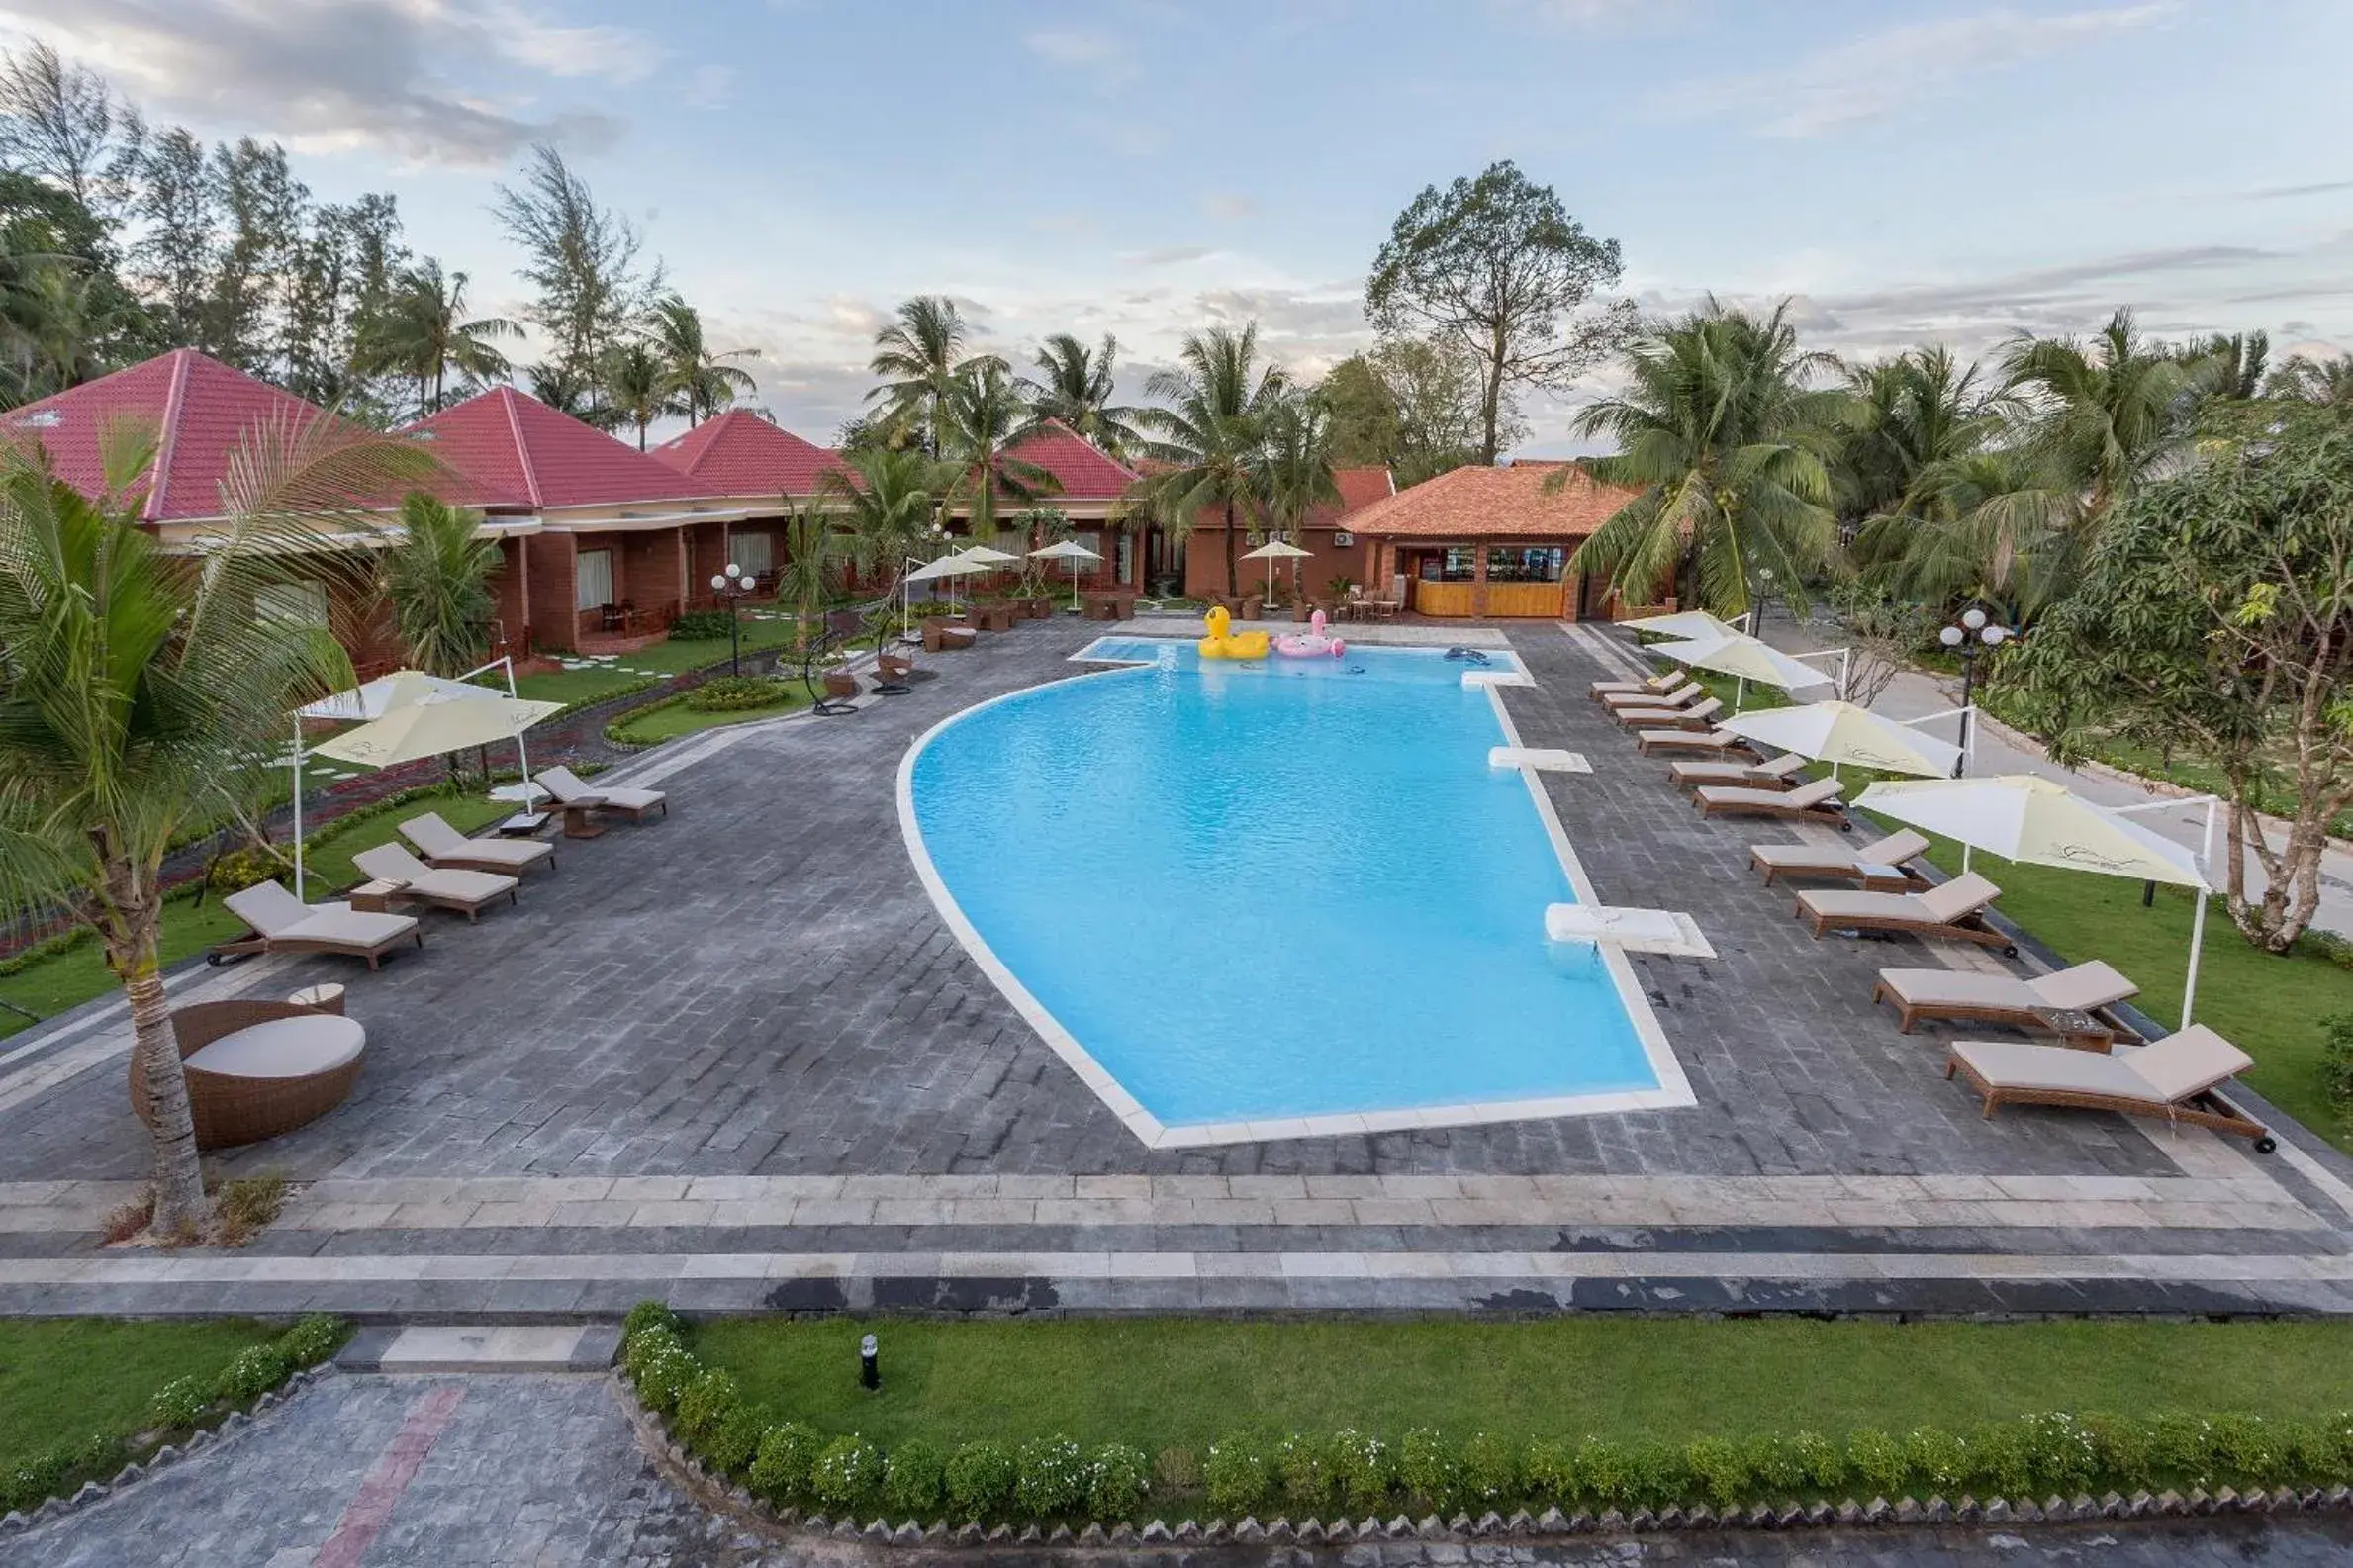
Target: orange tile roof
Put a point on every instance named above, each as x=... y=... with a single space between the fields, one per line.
x=1477 y=502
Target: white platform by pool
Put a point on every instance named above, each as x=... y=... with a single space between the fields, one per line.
x=1543 y=759
x=1661 y=931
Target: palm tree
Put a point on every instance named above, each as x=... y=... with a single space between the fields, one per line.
x=1905 y=415
x=564 y=390
x=1211 y=436
x=887 y=499
x=421 y=332
x=703 y=381
x=2325 y=380
x=1987 y=525
x=919 y=360
x=1297 y=476
x=815 y=553
x=135 y=692
x=981 y=421
x=2104 y=413
x=1075 y=388
x=1727 y=444
x=638 y=388
x=437 y=581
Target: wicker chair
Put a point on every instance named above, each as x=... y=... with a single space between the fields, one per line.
x=233 y=1110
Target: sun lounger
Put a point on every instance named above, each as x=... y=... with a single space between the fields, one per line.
x=1955 y=911
x=2178 y=1079
x=444 y=888
x=575 y=794
x=443 y=845
x=1779 y=774
x=1660 y=683
x=283 y=923
x=2088 y=990
x=1721 y=741
x=1878 y=865
x=1813 y=802
x=1682 y=695
x=1699 y=715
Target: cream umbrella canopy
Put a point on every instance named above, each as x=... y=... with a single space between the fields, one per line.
x=1740 y=655
x=1069 y=550
x=946 y=566
x=1838 y=732
x=2041 y=822
x=1694 y=625
x=1275 y=550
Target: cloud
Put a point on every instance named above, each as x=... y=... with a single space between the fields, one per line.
x=1587 y=14
x=336 y=76
x=711 y=86
x=1229 y=205
x=2275 y=193
x=1167 y=255
x=1104 y=59
x=1880 y=74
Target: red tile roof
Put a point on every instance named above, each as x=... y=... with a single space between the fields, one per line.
x=200 y=410
x=1086 y=470
x=1362 y=487
x=1478 y=503
x=739 y=453
x=506 y=450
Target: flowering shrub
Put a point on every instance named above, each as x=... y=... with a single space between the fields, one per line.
x=848 y=1472
x=1122 y=1476
x=1235 y=1475
x=785 y=1460
x=981 y=1480
x=1053 y=1477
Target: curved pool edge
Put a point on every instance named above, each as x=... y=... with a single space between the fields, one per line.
x=1673 y=1090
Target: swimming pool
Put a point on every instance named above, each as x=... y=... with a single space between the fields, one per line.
x=1274 y=899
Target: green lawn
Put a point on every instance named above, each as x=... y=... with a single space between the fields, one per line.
x=62 y=1380
x=52 y=985
x=673 y=719
x=674 y=657
x=1181 y=1382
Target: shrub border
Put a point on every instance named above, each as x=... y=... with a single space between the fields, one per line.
x=327 y=1335
x=715 y=1437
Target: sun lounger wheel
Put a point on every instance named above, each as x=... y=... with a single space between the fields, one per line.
x=2267 y=1145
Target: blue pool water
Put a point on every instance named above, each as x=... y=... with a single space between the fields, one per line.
x=1293 y=889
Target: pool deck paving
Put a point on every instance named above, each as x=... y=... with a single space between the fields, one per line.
x=733 y=1057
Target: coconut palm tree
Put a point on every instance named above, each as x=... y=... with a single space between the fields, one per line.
x=981 y=421
x=1076 y=386
x=1729 y=446
x=2325 y=380
x=135 y=694
x=888 y=501
x=437 y=582
x=1905 y=415
x=638 y=388
x=818 y=553
x=421 y=332
x=703 y=381
x=564 y=390
x=919 y=359
x=1988 y=525
x=1211 y=436
x=2103 y=414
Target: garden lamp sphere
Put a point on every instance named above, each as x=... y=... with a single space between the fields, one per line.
x=733 y=570
x=1995 y=636
x=1973 y=619
x=1951 y=636
x=719 y=584
x=868 y=1362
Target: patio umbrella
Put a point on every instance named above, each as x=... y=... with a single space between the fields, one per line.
x=1275 y=550
x=435 y=728
x=946 y=566
x=1695 y=626
x=1837 y=732
x=1069 y=550
x=983 y=555
x=2041 y=822
x=1737 y=654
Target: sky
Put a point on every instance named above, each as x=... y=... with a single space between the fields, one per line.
x=1953 y=171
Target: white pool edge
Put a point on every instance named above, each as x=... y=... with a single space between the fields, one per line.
x=1673 y=1091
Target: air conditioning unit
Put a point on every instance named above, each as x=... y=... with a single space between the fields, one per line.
x=1256 y=538
x=1342 y=539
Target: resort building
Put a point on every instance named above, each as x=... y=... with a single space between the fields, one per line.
x=1491 y=543
x=744 y=462
x=1336 y=546
x=1089 y=489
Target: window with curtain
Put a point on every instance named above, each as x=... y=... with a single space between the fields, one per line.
x=754 y=552
x=591 y=579
x=1513 y=564
x=292 y=603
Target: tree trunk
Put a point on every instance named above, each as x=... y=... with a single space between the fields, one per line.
x=1491 y=414
x=180 y=1178
x=1233 y=563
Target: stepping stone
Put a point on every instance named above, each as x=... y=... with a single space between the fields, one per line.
x=1661 y=931
x=1543 y=759
x=459 y=1347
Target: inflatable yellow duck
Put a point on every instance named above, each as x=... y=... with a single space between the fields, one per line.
x=1221 y=643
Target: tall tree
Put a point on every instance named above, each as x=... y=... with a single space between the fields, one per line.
x=1075 y=385
x=263 y=206
x=177 y=205
x=637 y=386
x=566 y=391
x=345 y=273
x=436 y=579
x=918 y=359
x=1494 y=265
x=2323 y=380
x=705 y=380
x=1411 y=405
x=980 y=421
x=1727 y=441
x=1906 y=414
x=580 y=256
x=422 y=331
x=1297 y=476
x=887 y=499
x=1210 y=438
x=63 y=124
x=134 y=695
x=2103 y=414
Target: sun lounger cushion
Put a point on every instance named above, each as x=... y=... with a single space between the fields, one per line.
x=2016 y=1064
x=1632 y=717
x=1966 y=894
x=1734 y=772
x=268 y=908
x=1820 y=793
x=394 y=864
x=439 y=839
x=1641 y=696
x=2085 y=988
x=570 y=790
x=1940 y=906
x=2186 y=1062
x=283 y=1048
x=1690 y=739
x=279 y=916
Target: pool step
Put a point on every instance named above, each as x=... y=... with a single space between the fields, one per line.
x=1661 y=931
x=1476 y=678
x=1543 y=759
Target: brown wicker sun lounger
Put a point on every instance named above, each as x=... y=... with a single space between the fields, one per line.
x=573 y=794
x=2179 y=1078
x=283 y=923
x=1720 y=741
x=1660 y=683
x=1681 y=696
x=257 y=1068
x=2043 y=1002
x=1878 y=865
x=444 y=888
x=443 y=845
x=1813 y=802
x=1699 y=715
x=1779 y=774
x=1955 y=911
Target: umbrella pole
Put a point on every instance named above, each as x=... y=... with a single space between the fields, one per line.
x=298 y=805
x=2197 y=946
x=1074 y=582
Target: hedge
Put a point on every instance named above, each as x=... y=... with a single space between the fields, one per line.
x=789 y=1464
x=180 y=1406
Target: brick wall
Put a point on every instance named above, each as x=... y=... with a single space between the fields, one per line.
x=513 y=587
x=549 y=565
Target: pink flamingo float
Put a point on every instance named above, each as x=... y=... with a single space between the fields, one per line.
x=1311 y=644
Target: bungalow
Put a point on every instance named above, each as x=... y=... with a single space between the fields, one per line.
x=1090 y=487
x=744 y=462
x=1478 y=542
x=1335 y=546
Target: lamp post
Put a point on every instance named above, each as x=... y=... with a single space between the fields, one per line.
x=733 y=586
x=1966 y=636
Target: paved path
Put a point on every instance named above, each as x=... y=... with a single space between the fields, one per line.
x=507 y=1471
